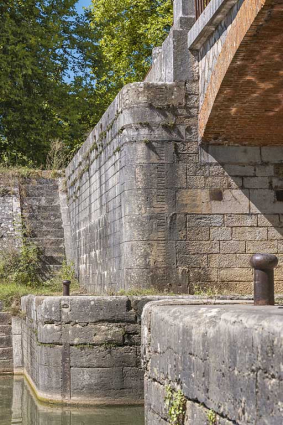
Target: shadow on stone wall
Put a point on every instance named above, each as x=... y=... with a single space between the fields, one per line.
x=248 y=109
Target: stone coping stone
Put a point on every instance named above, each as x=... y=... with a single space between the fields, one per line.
x=226 y=357
x=89 y=308
x=208 y=21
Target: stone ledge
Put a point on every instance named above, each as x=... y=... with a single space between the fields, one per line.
x=209 y=20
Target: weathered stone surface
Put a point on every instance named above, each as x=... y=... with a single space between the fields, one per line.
x=34 y=203
x=223 y=234
x=5 y=319
x=6 y=353
x=236 y=274
x=80 y=349
x=50 y=380
x=229 y=260
x=105 y=382
x=239 y=220
x=5 y=330
x=141 y=184
x=49 y=333
x=249 y=234
x=269 y=247
x=198 y=415
x=96 y=334
x=104 y=356
x=6 y=343
x=135 y=162
x=207 y=345
x=231 y=247
x=97 y=309
x=202 y=202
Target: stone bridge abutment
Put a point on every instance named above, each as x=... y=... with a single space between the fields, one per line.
x=180 y=183
x=239 y=47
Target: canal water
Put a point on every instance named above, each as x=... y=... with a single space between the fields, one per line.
x=19 y=406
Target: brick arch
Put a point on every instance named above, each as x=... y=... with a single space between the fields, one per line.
x=243 y=102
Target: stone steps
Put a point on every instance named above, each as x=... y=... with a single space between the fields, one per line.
x=5 y=341
x=5 y=319
x=5 y=330
x=6 y=344
x=42 y=214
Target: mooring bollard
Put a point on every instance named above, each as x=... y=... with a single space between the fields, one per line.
x=66 y=288
x=264 y=265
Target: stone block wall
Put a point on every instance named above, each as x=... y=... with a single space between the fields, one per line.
x=83 y=349
x=6 y=343
x=10 y=211
x=225 y=359
x=41 y=209
x=185 y=215
x=35 y=207
x=150 y=205
x=232 y=209
x=122 y=190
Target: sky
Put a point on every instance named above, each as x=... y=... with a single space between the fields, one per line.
x=81 y=4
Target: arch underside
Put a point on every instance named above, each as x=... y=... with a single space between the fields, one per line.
x=248 y=109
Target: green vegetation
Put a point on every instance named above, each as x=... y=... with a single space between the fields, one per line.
x=21 y=266
x=175 y=403
x=42 y=42
x=18 y=171
x=126 y=32
x=59 y=70
x=169 y=125
x=84 y=346
x=206 y=291
x=212 y=418
x=21 y=274
x=109 y=345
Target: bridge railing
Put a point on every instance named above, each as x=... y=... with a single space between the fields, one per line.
x=200 y=5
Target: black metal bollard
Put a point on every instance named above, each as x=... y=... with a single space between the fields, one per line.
x=66 y=288
x=264 y=265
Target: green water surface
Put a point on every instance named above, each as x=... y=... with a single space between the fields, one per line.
x=19 y=406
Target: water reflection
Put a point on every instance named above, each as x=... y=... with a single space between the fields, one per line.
x=18 y=406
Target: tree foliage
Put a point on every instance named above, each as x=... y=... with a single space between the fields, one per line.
x=59 y=71
x=127 y=31
x=41 y=42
